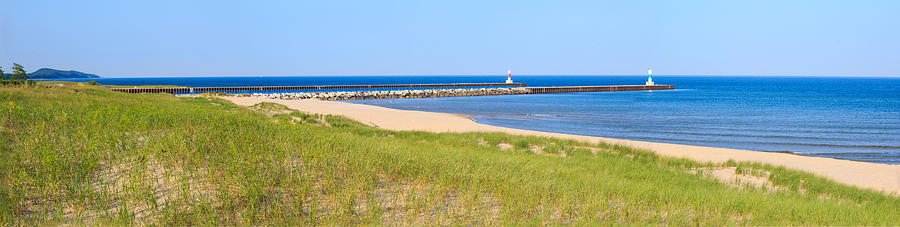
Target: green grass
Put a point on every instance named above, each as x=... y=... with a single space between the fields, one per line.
x=86 y=155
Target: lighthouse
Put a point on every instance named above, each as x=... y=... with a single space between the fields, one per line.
x=649 y=77
x=508 y=76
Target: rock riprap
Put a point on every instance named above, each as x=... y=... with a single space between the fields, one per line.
x=348 y=95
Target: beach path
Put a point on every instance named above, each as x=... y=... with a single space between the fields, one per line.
x=881 y=177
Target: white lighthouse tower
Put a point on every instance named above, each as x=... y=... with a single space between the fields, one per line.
x=508 y=76
x=649 y=77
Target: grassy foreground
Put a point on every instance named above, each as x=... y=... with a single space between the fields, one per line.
x=77 y=153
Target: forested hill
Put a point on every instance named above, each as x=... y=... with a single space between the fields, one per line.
x=46 y=73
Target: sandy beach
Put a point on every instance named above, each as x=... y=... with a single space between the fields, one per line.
x=881 y=177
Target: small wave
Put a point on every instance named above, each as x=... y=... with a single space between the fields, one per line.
x=768 y=143
x=862 y=130
x=538 y=115
x=838 y=145
x=745 y=135
x=878 y=154
x=885 y=158
x=784 y=152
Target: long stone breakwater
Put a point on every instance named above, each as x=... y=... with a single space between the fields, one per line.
x=350 y=95
x=192 y=90
x=429 y=90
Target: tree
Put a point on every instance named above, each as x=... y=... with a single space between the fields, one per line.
x=2 y=76
x=18 y=72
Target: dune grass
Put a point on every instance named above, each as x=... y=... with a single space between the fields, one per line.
x=86 y=155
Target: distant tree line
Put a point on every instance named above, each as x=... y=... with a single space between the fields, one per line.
x=18 y=76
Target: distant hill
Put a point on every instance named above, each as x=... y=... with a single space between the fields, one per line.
x=45 y=73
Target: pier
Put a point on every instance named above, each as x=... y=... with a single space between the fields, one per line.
x=451 y=90
x=431 y=93
x=542 y=90
x=189 y=90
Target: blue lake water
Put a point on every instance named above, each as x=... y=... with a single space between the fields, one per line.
x=838 y=117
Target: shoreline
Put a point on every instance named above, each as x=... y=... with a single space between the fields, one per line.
x=876 y=176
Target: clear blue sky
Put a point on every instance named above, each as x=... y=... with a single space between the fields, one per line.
x=279 y=38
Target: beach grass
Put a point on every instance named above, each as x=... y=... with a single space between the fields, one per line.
x=81 y=154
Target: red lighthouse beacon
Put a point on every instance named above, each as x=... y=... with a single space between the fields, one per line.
x=509 y=77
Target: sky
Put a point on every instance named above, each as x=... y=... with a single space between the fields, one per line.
x=299 y=38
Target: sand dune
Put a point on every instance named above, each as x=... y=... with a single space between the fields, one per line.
x=880 y=177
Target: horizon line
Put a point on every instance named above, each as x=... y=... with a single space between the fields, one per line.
x=504 y=75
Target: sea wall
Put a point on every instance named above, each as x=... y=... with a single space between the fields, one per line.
x=393 y=94
x=348 y=95
x=192 y=90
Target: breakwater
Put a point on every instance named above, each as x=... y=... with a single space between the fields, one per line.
x=351 y=95
x=190 y=90
x=393 y=94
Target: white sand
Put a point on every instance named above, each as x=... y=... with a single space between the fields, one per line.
x=880 y=177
